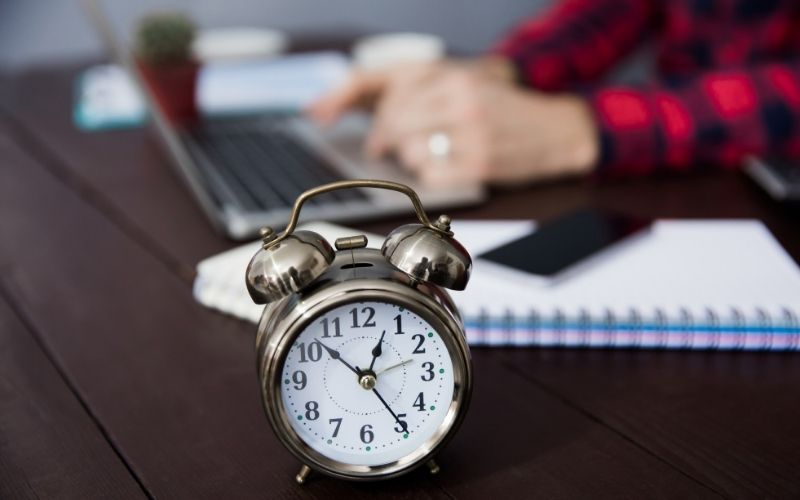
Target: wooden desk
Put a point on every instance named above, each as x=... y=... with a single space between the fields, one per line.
x=114 y=383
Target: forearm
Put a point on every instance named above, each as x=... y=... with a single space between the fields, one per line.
x=716 y=119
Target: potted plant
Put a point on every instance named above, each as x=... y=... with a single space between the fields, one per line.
x=163 y=50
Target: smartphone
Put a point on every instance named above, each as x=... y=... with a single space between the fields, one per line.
x=559 y=247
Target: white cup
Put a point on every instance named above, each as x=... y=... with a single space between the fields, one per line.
x=226 y=44
x=390 y=49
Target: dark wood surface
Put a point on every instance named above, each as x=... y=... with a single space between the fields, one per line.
x=114 y=383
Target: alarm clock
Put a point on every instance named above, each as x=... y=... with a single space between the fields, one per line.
x=362 y=359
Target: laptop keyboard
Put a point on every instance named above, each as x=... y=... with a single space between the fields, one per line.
x=267 y=169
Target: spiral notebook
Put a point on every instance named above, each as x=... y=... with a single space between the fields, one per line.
x=721 y=284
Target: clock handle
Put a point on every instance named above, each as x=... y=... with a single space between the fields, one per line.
x=359 y=183
x=425 y=251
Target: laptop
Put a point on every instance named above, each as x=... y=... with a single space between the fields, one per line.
x=778 y=177
x=246 y=172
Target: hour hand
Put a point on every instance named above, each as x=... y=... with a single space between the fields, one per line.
x=334 y=354
x=377 y=351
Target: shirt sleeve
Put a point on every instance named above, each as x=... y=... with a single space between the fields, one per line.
x=717 y=117
x=574 y=41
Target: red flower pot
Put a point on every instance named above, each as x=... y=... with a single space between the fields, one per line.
x=174 y=88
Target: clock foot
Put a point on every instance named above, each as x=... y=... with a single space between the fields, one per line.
x=303 y=474
x=433 y=467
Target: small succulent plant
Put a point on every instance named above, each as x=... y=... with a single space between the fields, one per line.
x=165 y=38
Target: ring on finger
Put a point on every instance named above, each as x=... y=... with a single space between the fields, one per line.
x=440 y=146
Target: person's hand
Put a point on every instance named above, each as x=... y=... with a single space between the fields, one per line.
x=484 y=127
x=372 y=89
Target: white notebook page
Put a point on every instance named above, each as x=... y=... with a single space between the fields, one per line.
x=687 y=272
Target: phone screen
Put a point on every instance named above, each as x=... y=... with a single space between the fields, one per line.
x=566 y=242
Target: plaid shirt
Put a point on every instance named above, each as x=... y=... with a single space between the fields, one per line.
x=729 y=81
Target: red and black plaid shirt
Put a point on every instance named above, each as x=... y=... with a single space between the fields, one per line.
x=729 y=77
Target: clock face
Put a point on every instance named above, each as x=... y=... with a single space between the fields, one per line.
x=367 y=383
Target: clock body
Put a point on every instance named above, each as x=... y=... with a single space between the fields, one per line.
x=341 y=406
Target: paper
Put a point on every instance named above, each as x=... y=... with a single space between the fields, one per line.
x=724 y=284
x=108 y=98
x=286 y=83
x=691 y=265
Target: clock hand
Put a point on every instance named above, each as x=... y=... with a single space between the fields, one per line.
x=397 y=365
x=402 y=424
x=377 y=351
x=334 y=354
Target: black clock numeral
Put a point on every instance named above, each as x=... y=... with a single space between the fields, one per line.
x=399 y=322
x=299 y=378
x=420 y=340
x=370 y=316
x=369 y=311
x=312 y=410
x=338 y=422
x=402 y=425
x=337 y=330
x=428 y=366
x=419 y=403
x=366 y=434
x=313 y=352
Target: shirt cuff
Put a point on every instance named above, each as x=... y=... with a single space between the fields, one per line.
x=631 y=124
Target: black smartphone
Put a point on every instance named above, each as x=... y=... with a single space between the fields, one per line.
x=565 y=243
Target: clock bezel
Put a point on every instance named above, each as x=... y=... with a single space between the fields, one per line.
x=286 y=320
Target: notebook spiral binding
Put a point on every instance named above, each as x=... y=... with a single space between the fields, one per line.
x=687 y=330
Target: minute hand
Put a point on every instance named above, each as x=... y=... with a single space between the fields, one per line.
x=402 y=424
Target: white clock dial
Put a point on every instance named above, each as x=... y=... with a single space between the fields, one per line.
x=359 y=408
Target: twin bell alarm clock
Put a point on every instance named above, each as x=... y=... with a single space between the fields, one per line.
x=362 y=358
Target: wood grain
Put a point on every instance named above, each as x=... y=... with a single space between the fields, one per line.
x=516 y=443
x=49 y=446
x=123 y=173
x=730 y=420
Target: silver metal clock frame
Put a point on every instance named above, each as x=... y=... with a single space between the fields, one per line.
x=374 y=279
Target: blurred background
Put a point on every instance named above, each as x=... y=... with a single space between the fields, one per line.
x=37 y=32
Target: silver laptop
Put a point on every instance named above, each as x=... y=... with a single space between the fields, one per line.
x=246 y=172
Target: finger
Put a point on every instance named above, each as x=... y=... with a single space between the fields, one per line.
x=441 y=102
x=416 y=156
x=408 y=84
x=363 y=87
x=430 y=111
x=360 y=88
x=465 y=164
x=417 y=110
x=408 y=81
x=377 y=143
x=414 y=152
